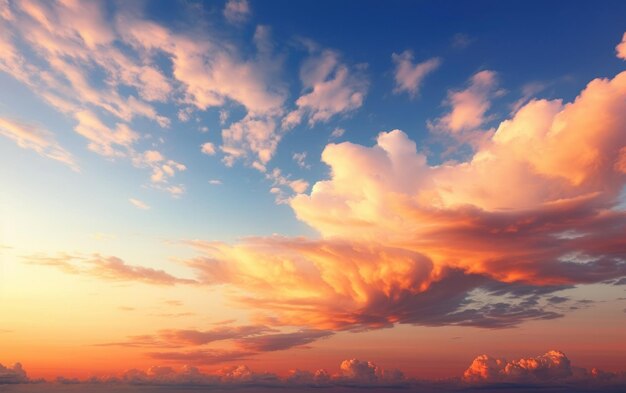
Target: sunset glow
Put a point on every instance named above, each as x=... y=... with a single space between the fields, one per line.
x=312 y=195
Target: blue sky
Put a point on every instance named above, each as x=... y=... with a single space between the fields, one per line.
x=523 y=42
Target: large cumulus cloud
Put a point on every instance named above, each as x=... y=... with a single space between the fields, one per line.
x=535 y=210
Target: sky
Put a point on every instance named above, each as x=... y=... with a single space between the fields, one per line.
x=314 y=193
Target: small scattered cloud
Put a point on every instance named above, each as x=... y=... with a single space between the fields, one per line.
x=300 y=159
x=620 y=49
x=237 y=11
x=331 y=88
x=208 y=148
x=215 y=182
x=469 y=106
x=337 y=133
x=409 y=76
x=139 y=204
x=461 y=41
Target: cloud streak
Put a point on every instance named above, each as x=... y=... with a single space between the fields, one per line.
x=35 y=138
x=106 y=268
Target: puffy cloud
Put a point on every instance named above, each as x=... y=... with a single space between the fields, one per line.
x=256 y=135
x=553 y=365
x=620 y=49
x=208 y=148
x=106 y=268
x=237 y=11
x=331 y=89
x=42 y=141
x=61 y=50
x=406 y=242
x=408 y=76
x=364 y=372
x=139 y=204
x=283 y=186
x=14 y=374
x=469 y=106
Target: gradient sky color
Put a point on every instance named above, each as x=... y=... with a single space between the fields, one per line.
x=294 y=184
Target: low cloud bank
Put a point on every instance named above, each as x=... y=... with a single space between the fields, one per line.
x=548 y=371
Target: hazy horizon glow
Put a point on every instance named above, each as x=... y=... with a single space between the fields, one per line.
x=235 y=192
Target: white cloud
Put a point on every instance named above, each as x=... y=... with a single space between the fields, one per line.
x=409 y=76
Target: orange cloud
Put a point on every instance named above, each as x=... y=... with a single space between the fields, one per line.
x=406 y=242
x=469 y=106
x=551 y=366
x=107 y=268
x=620 y=49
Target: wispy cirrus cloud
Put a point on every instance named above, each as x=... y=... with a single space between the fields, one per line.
x=32 y=137
x=106 y=268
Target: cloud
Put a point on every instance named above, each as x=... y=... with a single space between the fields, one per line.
x=300 y=159
x=281 y=341
x=553 y=365
x=13 y=375
x=61 y=50
x=106 y=268
x=208 y=148
x=337 y=133
x=139 y=204
x=620 y=49
x=237 y=11
x=42 y=141
x=365 y=372
x=283 y=186
x=196 y=337
x=402 y=241
x=215 y=182
x=469 y=106
x=331 y=88
x=408 y=76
